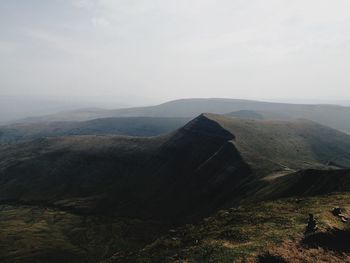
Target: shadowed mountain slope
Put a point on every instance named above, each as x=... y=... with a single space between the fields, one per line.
x=123 y=175
x=306 y=183
x=85 y=198
x=211 y=162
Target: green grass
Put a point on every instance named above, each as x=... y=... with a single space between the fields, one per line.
x=32 y=234
x=277 y=145
x=241 y=233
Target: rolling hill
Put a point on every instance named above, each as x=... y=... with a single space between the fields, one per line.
x=133 y=126
x=131 y=189
x=211 y=159
x=333 y=116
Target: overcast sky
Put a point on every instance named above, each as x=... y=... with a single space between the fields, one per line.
x=161 y=49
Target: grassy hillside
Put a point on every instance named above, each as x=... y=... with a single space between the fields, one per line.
x=134 y=126
x=211 y=162
x=286 y=146
x=81 y=192
x=40 y=234
x=264 y=232
x=303 y=183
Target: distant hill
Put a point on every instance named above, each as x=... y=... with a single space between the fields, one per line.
x=246 y=114
x=133 y=126
x=337 y=117
x=83 y=114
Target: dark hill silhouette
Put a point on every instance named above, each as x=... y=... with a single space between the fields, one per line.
x=211 y=162
x=87 y=198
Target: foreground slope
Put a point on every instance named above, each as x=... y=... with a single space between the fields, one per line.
x=31 y=233
x=264 y=232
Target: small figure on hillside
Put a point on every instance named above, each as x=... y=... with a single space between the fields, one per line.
x=337 y=211
x=311 y=224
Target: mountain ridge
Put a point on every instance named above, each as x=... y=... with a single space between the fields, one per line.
x=211 y=158
x=129 y=126
x=330 y=115
x=94 y=196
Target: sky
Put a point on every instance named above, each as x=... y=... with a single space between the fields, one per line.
x=157 y=50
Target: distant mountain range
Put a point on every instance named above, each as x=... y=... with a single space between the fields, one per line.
x=334 y=116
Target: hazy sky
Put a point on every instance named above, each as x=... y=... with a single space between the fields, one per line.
x=162 y=49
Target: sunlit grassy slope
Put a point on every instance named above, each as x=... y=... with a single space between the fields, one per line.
x=269 y=230
x=293 y=145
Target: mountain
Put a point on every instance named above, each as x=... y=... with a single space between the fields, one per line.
x=123 y=175
x=211 y=159
x=333 y=116
x=330 y=115
x=133 y=126
x=88 y=198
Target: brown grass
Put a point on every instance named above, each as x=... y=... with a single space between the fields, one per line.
x=295 y=252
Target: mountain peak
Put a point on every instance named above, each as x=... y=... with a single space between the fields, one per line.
x=206 y=124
